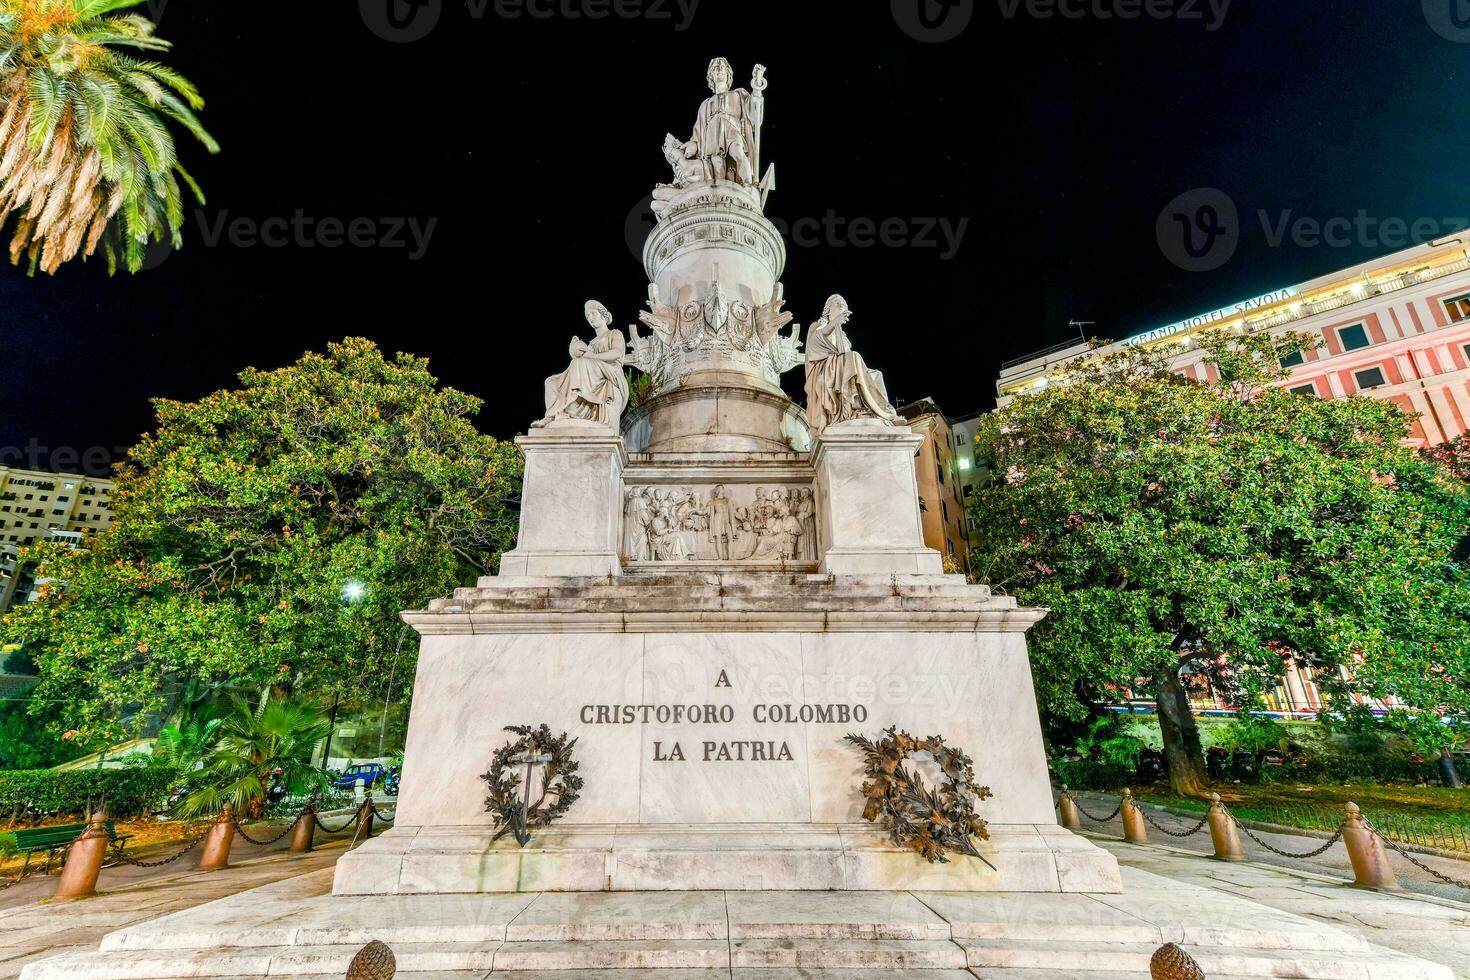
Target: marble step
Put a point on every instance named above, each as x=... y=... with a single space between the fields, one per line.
x=758 y=959
x=1069 y=958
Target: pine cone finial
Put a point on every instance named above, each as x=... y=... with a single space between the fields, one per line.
x=375 y=961
x=1172 y=963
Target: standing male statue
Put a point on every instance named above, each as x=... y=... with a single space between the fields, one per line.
x=839 y=385
x=727 y=133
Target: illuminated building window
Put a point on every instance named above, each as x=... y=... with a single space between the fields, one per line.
x=1353 y=337
x=1458 y=308
x=1369 y=378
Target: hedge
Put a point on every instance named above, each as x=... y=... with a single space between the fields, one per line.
x=130 y=792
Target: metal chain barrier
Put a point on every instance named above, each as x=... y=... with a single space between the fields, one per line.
x=337 y=830
x=379 y=814
x=1288 y=854
x=1093 y=818
x=25 y=875
x=1413 y=860
x=118 y=854
x=239 y=829
x=1174 y=833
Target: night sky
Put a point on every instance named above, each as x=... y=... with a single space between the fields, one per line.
x=1054 y=144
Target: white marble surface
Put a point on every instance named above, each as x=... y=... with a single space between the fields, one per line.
x=767 y=935
x=733 y=857
x=973 y=688
x=572 y=505
x=868 y=501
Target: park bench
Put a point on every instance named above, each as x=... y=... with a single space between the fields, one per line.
x=52 y=840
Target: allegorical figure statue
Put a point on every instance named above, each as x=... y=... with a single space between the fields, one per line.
x=593 y=388
x=839 y=385
x=727 y=133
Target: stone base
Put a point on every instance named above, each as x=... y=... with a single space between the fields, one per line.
x=739 y=857
x=294 y=928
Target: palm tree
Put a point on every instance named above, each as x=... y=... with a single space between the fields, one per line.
x=86 y=153
x=252 y=744
x=182 y=743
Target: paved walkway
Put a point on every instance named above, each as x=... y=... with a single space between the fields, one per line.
x=32 y=929
x=1334 y=862
x=1421 y=925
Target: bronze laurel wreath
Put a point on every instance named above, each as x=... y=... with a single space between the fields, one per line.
x=930 y=822
x=559 y=781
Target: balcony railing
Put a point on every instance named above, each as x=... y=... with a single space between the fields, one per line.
x=1365 y=291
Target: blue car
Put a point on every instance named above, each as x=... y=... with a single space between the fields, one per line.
x=368 y=772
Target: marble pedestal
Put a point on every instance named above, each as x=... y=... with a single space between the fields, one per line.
x=710 y=711
x=569 y=526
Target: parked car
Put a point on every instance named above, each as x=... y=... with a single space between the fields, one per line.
x=368 y=772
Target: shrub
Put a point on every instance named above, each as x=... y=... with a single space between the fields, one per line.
x=130 y=791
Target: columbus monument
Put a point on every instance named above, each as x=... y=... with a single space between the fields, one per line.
x=712 y=589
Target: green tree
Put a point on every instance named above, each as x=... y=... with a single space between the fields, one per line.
x=86 y=152
x=1226 y=529
x=270 y=535
x=251 y=745
x=1453 y=455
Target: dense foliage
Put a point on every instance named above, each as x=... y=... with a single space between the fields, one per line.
x=270 y=535
x=129 y=792
x=86 y=152
x=252 y=746
x=1223 y=529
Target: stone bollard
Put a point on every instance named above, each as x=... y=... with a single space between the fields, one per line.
x=1071 y=816
x=1223 y=833
x=305 y=831
x=1370 y=861
x=217 y=842
x=1134 y=831
x=84 y=860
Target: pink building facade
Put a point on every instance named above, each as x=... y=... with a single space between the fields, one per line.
x=1397 y=329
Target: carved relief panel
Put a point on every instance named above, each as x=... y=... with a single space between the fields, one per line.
x=719 y=523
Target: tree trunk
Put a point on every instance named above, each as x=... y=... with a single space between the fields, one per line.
x=1187 y=775
x=1448 y=774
